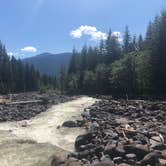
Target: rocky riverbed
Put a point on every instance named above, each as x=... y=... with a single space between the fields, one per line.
x=22 y=111
x=114 y=132
x=124 y=133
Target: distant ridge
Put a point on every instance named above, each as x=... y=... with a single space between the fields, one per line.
x=48 y=63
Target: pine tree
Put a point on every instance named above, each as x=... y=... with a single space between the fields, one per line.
x=160 y=24
x=83 y=58
x=140 y=43
x=126 y=41
x=74 y=62
x=63 y=79
x=134 y=44
x=113 y=50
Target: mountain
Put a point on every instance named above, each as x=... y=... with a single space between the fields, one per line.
x=48 y=63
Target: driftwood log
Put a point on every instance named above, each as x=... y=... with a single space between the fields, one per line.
x=24 y=102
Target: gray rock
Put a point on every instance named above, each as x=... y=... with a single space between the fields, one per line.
x=83 y=140
x=151 y=158
x=131 y=156
x=139 y=150
x=117 y=160
x=69 y=124
x=105 y=163
x=119 y=151
x=110 y=149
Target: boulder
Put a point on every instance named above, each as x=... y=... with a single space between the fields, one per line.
x=162 y=129
x=131 y=156
x=86 y=154
x=155 y=141
x=123 y=164
x=163 y=154
x=117 y=160
x=110 y=149
x=107 y=162
x=162 y=162
x=160 y=147
x=119 y=151
x=72 y=162
x=87 y=147
x=83 y=140
x=151 y=158
x=69 y=124
x=55 y=161
x=138 y=149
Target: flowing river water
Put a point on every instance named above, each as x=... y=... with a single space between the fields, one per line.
x=34 y=144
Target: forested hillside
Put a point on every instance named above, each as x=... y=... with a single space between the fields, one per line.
x=136 y=66
x=48 y=63
x=18 y=77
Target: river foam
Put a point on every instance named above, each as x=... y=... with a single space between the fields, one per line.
x=43 y=127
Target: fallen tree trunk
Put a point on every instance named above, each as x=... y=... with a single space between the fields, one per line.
x=24 y=102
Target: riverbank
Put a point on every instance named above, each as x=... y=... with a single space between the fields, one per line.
x=103 y=132
x=24 y=106
x=124 y=133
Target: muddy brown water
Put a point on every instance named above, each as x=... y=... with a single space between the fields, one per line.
x=34 y=144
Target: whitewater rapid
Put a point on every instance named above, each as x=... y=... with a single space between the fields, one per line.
x=44 y=130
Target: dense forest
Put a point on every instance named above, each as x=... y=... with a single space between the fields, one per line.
x=136 y=66
x=16 y=76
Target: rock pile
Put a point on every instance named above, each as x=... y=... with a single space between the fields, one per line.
x=124 y=133
x=26 y=111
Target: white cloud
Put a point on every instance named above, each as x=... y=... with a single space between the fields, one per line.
x=118 y=35
x=10 y=53
x=29 y=49
x=91 y=31
x=94 y=34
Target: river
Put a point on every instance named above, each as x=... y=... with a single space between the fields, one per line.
x=34 y=144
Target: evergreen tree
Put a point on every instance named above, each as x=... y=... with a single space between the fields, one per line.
x=140 y=43
x=102 y=79
x=113 y=50
x=160 y=24
x=134 y=44
x=63 y=79
x=16 y=76
x=83 y=58
x=74 y=62
x=126 y=41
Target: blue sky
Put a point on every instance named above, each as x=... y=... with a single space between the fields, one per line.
x=30 y=27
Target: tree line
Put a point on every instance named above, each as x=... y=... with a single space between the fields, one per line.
x=136 y=66
x=15 y=76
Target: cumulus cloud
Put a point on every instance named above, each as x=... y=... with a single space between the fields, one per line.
x=118 y=35
x=91 y=31
x=29 y=49
x=94 y=34
x=10 y=53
